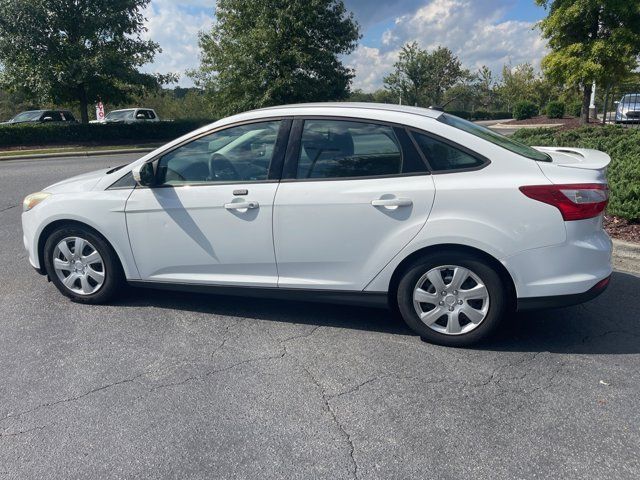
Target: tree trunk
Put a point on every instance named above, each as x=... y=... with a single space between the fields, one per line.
x=586 y=101
x=84 y=104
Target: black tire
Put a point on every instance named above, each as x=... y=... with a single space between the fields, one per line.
x=113 y=275
x=498 y=298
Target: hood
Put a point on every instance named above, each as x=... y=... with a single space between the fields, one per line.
x=80 y=183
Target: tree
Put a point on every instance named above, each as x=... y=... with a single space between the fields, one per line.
x=270 y=52
x=590 y=40
x=518 y=84
x=75 y=50
x=421 y=78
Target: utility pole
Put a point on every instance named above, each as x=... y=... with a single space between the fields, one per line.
x=593 y=113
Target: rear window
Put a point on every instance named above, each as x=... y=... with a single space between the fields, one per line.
x=495 y=138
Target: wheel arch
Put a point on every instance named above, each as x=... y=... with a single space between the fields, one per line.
x=451 y=247
x=56 y=224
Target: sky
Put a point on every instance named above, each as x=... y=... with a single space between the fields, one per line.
x=480 y=32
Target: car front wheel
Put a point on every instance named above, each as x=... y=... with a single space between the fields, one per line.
x=452 y=299
x=82 y=265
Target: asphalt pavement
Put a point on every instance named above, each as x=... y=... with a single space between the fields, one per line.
x=175 y=385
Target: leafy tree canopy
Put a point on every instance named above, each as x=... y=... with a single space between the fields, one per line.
x=590 y=40
x=421 y=77
x=75 y=50
x=270 y=52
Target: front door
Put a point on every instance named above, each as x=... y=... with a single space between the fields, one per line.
x=208 y=220
x=354 y=194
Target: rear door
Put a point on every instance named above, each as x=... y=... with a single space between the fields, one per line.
x=353 y=194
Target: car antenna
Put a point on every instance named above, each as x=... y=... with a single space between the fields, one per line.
x=440 y=108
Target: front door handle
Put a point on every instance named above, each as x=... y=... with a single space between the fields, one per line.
x=248 y=205
x=392 y=202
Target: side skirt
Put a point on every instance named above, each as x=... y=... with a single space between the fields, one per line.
x=364 y=299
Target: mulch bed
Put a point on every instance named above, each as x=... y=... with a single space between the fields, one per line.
x=568 y=122
x=622 y=229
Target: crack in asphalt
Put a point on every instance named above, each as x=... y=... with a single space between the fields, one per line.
x=75 y=398
x=328 y=408
x=22 y=432
x=7 y=208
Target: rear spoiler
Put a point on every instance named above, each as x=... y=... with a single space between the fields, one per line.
x=586 y=158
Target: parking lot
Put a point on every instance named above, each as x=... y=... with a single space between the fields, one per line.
x=180 y=385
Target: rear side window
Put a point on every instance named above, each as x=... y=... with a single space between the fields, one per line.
x=444 y=157
x=345 y=149
x=493 y=137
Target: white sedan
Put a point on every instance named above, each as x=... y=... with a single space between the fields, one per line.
x=451 y=224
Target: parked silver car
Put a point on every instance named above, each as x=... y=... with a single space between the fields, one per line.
x=130 y=115
x=628 y=109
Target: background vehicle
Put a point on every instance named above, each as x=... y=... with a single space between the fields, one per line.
x=43 y=116
x=130 y=115
x=450 y=223
x=628 y=108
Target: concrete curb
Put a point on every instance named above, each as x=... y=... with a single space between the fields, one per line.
x=626 y=256
x=86 y=153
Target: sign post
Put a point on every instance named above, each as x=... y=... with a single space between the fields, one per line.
x=100 y=112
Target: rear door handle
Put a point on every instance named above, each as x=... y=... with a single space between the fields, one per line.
x=392 y=202
x=241 y=205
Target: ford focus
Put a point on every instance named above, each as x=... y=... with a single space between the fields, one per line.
x=446 y=222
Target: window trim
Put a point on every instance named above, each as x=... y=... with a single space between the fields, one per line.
x=478 y=156
x=290 y=170
x=279 y=148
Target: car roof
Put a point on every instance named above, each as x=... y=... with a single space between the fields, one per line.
x=384 y=107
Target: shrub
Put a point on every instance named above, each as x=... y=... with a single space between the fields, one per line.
x=622 y=144
x=575 y=109
x=555 y=109
x=524 y=110
x=69 y=134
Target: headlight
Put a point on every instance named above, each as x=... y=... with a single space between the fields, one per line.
x=34 y=199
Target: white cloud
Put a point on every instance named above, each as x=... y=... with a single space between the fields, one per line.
x=472 y=30
x=175 y=26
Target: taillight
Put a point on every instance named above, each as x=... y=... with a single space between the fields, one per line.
x=575 y=201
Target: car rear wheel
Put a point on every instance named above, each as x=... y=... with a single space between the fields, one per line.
x=452 y=299
x=82 y=265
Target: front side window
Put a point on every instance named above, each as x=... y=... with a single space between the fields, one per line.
x=495 y=138
x=344 y=149
x=444 y=157
x=237 y=154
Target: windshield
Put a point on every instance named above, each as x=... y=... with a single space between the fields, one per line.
x=27 y=116
x=119 y=115
x=495 y=138
x=634 y=98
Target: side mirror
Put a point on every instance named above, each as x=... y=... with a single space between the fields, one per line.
x=144 y=174
x=47 y=119
x=141 y=116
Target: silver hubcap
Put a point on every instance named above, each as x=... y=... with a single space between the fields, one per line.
x=79 y=266
x=451 y=300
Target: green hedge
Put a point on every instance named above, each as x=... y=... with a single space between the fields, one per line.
x=480 y=115
x=622 y=144
x=60 y=134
